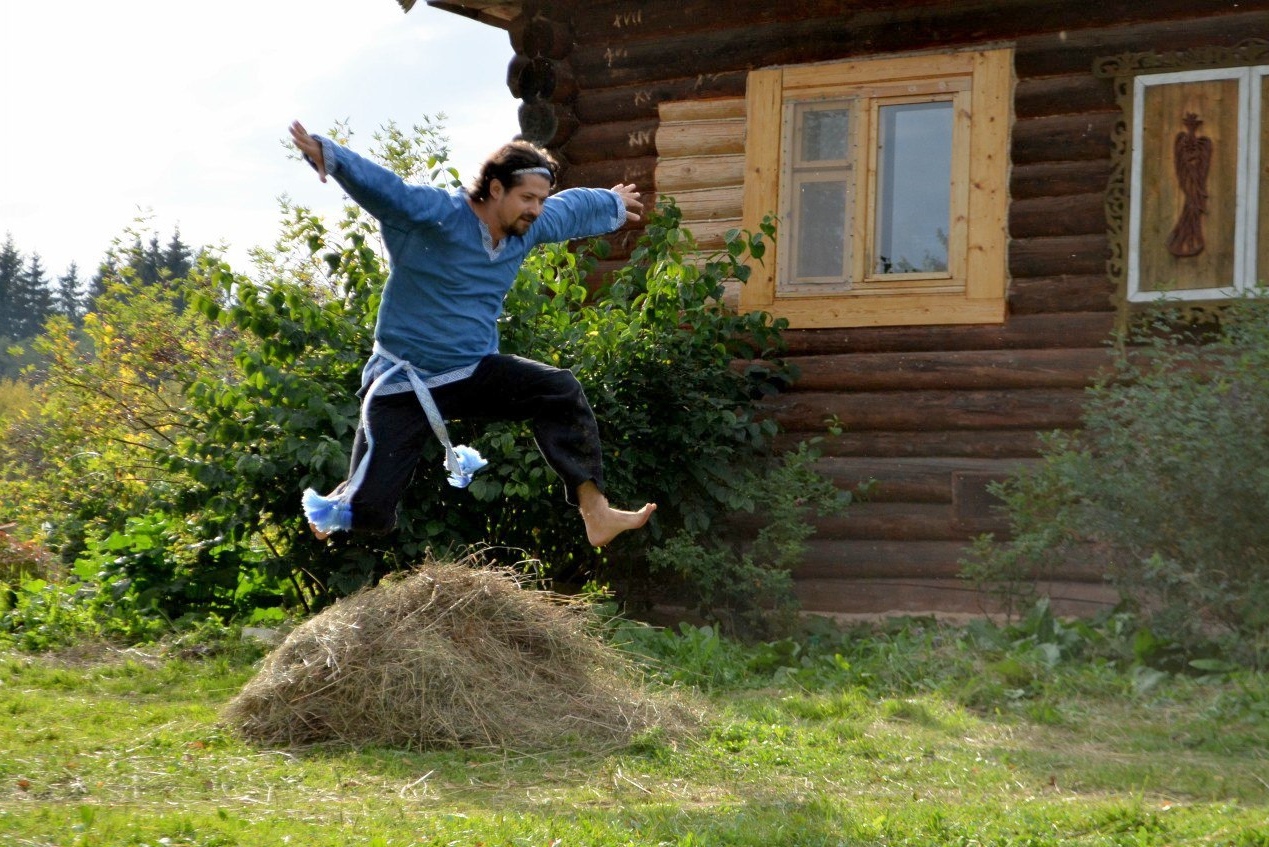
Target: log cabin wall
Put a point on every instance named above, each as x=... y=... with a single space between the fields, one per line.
x=931 y=413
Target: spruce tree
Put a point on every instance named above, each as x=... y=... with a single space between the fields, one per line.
x=32 y=301
x=107 y=272
x=177 y=257
x=68 y=297
x=10 y=273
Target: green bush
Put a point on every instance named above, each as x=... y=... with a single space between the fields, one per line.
x=653 y=347
x=1168 y=476
x=174 y=432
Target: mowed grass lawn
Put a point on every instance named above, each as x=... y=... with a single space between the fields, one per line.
x=931 y=741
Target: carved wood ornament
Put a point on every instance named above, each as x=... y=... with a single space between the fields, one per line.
x=1192 y=158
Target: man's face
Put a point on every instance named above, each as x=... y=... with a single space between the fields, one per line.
x=519 y=206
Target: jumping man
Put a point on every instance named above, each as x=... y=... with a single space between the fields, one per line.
x=453 y=257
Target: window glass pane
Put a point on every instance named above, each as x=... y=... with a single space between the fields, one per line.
x=825 y=134
x=914 y=188
x=820 y=224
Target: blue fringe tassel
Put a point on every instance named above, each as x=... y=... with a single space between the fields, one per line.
x=327 y=514
x=469 y=461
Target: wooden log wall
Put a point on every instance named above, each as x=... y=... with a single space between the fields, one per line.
x=647 y=92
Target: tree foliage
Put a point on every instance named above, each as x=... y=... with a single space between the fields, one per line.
x=199 y=408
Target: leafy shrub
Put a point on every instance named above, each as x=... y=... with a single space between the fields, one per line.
x=652 y=346
x=745 y=584
x=22 y=560
x=173 y=433
x=1169 y=476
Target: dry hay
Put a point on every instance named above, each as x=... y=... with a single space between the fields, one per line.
x=452 y=654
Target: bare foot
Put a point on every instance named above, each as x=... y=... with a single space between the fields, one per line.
x=603 y=522
x=321 y=536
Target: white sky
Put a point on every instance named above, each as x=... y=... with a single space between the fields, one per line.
x=109 y=110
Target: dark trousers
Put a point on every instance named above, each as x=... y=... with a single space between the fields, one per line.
x=503 y=388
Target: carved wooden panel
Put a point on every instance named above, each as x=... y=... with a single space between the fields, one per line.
x=1189 y=185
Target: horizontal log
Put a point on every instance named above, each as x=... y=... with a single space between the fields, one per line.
x=1064 y=50
x=610 y=172
x=710 y=204
x=910 y=480
x=1069 y=214
x=620 y=18
x=1063 y=138
x=690 y=172
x=950 y=369
x=716 y=109
x=1056 y=179
x=867 y=599
x=891 y=522
x=1063 y=95
x=800 y=34
x=699 y=44
x=613 y=20
x=852 y=559
x=871 y=559
x=643 y=100
x=869 y=520
x=991 y=444
x=903 y=411
x=709 y=235
x=1087 y=329
x=701 y=138
x=1078 y=255
x=1063 y=293
x=603 y=142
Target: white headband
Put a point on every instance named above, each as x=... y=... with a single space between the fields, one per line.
x=546 y=172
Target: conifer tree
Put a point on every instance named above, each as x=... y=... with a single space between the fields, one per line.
x=10 y=270
x=106 y=271
x=146 y=260
x=177 y=256
x=31 y=300
x=69 y=300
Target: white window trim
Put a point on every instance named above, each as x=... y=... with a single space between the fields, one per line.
x=1246 y=201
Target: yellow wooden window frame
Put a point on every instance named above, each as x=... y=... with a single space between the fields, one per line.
x=980 y=86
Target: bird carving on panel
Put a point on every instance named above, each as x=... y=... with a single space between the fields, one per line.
x=1192 y=157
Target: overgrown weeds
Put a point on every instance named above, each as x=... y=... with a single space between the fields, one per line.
x=1163 y=487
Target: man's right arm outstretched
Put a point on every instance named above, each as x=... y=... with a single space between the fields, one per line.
x=376 y=189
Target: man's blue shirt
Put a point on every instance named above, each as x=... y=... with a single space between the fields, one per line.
x=445 y=289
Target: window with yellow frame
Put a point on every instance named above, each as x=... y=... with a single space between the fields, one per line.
x=888 y=179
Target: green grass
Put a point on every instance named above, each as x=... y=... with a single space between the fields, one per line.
x=907 y=739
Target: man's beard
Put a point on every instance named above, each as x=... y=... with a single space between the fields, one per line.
x=521 y=225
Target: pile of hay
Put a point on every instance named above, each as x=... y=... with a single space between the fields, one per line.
x=449 y=655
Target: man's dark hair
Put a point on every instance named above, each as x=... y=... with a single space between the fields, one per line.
x=510 y=158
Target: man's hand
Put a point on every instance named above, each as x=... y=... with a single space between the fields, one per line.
x=630 y=196
x=312 y=148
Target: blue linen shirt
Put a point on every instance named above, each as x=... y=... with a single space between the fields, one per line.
x=447 y=280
